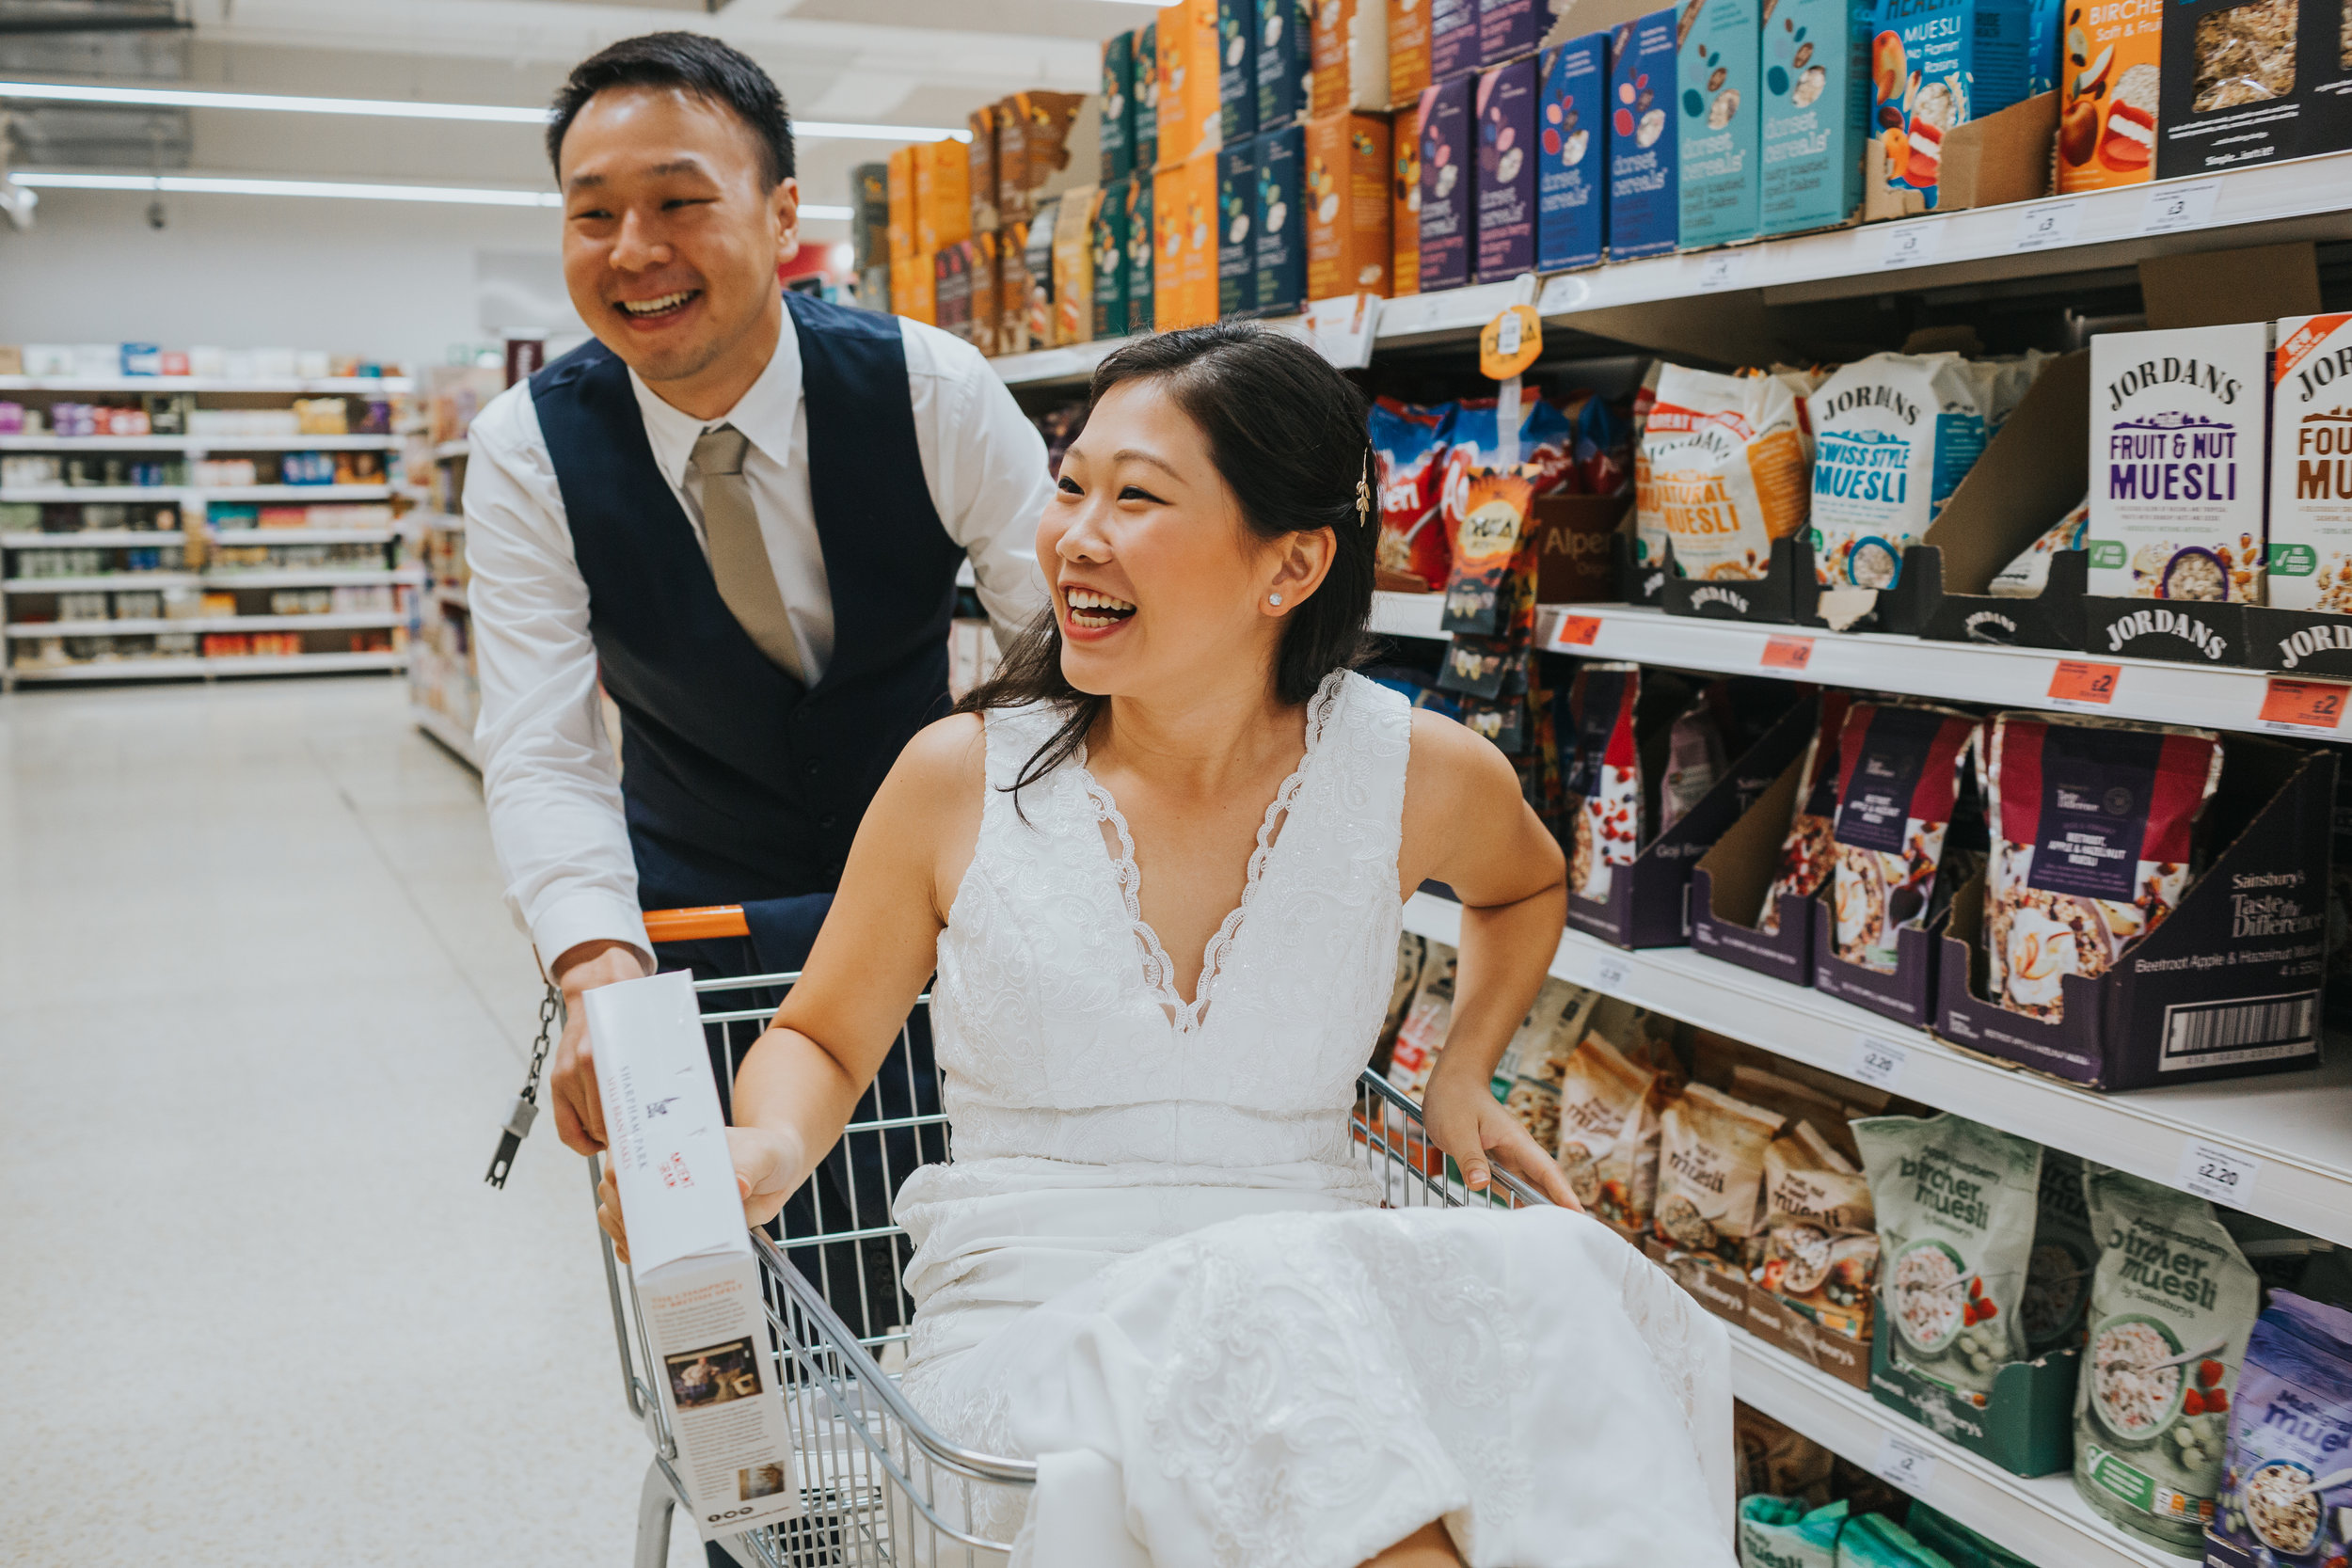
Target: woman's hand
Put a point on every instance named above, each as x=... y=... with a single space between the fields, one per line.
x=767 y=1168
x=1466 y=1123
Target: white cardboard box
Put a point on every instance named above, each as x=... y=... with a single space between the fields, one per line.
x=2177 y=462
x=2311 y=464
x=690 y=1255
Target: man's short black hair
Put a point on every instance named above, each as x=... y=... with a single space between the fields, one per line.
x=696 y=63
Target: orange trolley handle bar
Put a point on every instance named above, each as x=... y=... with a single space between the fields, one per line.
x=694 y=925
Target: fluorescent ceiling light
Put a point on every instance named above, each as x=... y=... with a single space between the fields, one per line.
x=198 y=185
x=401 y=108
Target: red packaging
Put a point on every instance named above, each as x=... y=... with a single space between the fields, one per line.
x=1409 y=443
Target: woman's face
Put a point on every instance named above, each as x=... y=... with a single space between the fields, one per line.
x=1158 y=582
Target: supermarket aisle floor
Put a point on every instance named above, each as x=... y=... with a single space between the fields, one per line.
x=260 y=1013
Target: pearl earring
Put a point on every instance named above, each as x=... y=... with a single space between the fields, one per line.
x=1274 y=599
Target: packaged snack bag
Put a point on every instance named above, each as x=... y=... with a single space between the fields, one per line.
x=2172 y=1304
x=1810 y=849
x=1875 y=1541
x=1608 y=1113
x=1697 y=756
x=1894 y=434
x=1710 y=1175
x=1604 y=450
x=1605 y=779
x=1486 y=537
x=1899 y=782
x=2057 y=1277
x=2290 y=1425
x=2029 y=574
x=2092 y=821
x=1527 y=1079
x=1782 y=1533
x=1720 y=471
x=1777 y=1460
x=1421 y=1035
x=1820 y=1245
x=1408 y=445
x=1955 y=1202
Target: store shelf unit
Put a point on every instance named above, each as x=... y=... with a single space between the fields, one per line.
x=205 y=669
x=197 y=446
x=323 y=621
x=363 y=385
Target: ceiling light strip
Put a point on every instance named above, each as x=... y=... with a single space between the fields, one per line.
x=198 y=185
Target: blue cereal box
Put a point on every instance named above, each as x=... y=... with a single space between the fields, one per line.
x=1645 y=204
x=1237 y=69
x=1936 y=65
x=1236 y=223
x=1571 y=185
x=1286 y=62
x=1716 y=73
x=1282 y=219
x=1817 y=108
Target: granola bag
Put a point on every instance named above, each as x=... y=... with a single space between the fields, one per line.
x=1898 y=784
x=1408 y=448
x=1809 y=850
x=1710 y=1175
x=2173 y=1303
x=1822 y=1114
x=2092 y=822
x=1609 y=1132
x=2290 y=1425
x=1955 y=1202
x=1604 y=782
x=1820 y=1245
x=1720 y=474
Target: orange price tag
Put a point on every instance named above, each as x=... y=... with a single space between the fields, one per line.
x=2303 y=704
x=1578 y=631
x=1788 y=653
x=2080 y=683
x=1511 y=342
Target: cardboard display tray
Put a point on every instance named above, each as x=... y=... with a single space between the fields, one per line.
x=1907 y=996
x=1729 y=883
x=1785 y=594
x=2026 y=1425
x=1764 y=1315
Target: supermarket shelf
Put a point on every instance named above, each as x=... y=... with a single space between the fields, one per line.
x=2041 y=1520
x=452 y=595
x=1048 y=365
x=447 y=449
x=204 y=669
x=197 y=443
x=311 y=577
x=97 y=493
x=2210 y=695
x=95 y=538
x=128 y=581
x=2296 y=1125
x=350 y=621
x=294 y=664
x=230 y=538
x=442 y=728
x=292 y=492
x=387 y=385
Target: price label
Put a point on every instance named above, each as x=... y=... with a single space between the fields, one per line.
x=2220 y=1174
x=1910 y=243
x=2079 y=684
x=1577 y=631
x=1612 y=973
x=1878 y=1062
x=1511 y=342
x=2302 y=708
x=1905 y=1464
x=2051 y=224
x=1788 y=653
x=2170 y=208
x=1722 y=270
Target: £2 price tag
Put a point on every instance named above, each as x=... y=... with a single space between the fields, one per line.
x=1905 y=1464
x=2220 y=1174
x=2299 y=708
x=1787 y=653
x=1577 y=631
x=1878 y=1062
x=2078 y=683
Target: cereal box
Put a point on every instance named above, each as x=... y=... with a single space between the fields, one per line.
x=943 y=195
x=2110 y=85
x=951 y=290
x=1448 y=176
x=1237 y=68
x=1119 y=106
x=1183 y=213
x=1140 y=251
x=2230 y=91
x=2311 y=464
x=1146 y=128
x=1110 y=244
x=986 y=272
x=1236 y=249
x=870 y=219
x=1715 y=67
x=1405 y=203
x=915 y=288
x=1041 y=149
x=2176 y=438
x=1509 y=29
x=1286 y=60
x=1938 y=64
x=1507 y=171
x=1012 y=288
x=1815 y=93
x=900 y=191
x=1644 y=201
x=1073 y=265
x=1349 y=247
x=1452 y=39
x=1037 y=265
x=1190 y=122
x=979 y=166
x=1279 y=215
x=1408 y=49
x=1570 y=186
x=1350 y=52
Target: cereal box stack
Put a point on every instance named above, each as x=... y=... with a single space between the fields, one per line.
x=2310 y=466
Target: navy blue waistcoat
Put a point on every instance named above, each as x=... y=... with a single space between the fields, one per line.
x=740 y=782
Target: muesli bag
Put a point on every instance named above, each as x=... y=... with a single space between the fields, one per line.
x=1894 y=434
x=1898 y=787
x=2093 y=823
x=1609 y=1132
x=1527 y=1078
x=1875 y=1541
x=1710 y=1175
x=1787 y=1533
x=1421 y=1035
x=1955 y=1202
x=2173 y=1303
x=1720 y=472
x=1820 y=1245
x=2290 y=1426
x=1808 y=852
x=2058 y=1278
x=1604 y=782
x=1697 y=756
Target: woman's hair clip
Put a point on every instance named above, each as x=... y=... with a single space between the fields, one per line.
x=1363 y=492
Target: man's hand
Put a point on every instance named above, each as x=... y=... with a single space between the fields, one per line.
x=768 y=1166
x=578 y=1112
x=1465 y=1121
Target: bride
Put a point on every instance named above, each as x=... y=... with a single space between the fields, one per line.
x=1157 y=866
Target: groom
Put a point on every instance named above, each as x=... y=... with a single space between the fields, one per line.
x=743 y=510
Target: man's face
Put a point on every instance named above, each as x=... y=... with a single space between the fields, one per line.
x=672 y=236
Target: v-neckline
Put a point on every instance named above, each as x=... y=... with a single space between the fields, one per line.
x=1159 y=969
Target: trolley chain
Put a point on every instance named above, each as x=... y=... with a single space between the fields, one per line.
x=526 y=1106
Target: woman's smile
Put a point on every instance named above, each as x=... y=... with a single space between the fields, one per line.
x=1089 y=615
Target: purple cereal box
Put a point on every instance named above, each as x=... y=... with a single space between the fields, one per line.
x=1507 y=171
x=1448 y=183
x=1452 y=39
x=1509 y=29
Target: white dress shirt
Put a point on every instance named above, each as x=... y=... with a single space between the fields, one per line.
x=547 y=763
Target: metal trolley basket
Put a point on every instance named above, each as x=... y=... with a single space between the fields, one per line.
x=880 y=1486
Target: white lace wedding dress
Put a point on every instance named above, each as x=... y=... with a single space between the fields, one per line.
x=1157 y=1263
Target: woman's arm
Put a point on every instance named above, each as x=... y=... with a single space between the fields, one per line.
x=1466 y=826
x=801 y=1081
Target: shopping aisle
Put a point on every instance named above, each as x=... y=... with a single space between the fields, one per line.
x=260 y=1008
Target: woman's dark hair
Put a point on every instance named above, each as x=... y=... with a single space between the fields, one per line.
x=1287 y=434
x=695 y=63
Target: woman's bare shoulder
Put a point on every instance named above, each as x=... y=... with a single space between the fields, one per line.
x=1451 y=765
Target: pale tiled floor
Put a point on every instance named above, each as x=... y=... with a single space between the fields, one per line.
x=261 y=1012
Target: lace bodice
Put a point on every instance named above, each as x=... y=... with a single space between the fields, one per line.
x=1058 y=1026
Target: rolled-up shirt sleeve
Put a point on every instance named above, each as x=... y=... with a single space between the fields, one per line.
x=548 y=769
x=986 y=464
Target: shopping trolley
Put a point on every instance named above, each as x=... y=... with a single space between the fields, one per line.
x=880 y=1486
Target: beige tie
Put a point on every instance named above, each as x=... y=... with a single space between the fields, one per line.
x=739 y=557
